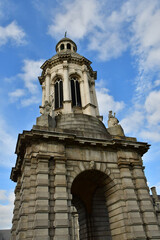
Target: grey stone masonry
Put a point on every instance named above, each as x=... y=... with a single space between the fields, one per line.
x=54 y=169
x=76 y=179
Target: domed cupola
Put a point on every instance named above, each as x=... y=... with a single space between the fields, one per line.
x=66 y=44
x=68 y=82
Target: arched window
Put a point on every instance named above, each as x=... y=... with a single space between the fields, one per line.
x=75 y=92
x=62 y=46
x=68 y=46
x=58 y=89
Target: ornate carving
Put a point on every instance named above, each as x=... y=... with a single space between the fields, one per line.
x=112 y=120
x=46 y=108
x=92 y=164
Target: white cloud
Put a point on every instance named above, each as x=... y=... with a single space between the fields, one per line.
x=151 y=134
x=145 y=41
x=78 y=18
x=143 y=120
x=158 y=188
x=7 y=144
x=30 y=72
x=16 y=94
x=134 y=24
x=29 y=76
x=6 y=208
x=12 y=32
x=152 y=105
x=30 y=101
x=133 y=122
x=106 y=102
x=90 y=20
x=157 y=83
x=3 y=195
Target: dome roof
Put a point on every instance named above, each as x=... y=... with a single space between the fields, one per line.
x=65 y=40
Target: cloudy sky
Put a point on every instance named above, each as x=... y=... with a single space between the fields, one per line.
x=120 y=37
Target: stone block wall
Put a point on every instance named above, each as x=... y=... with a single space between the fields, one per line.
x=45 y=204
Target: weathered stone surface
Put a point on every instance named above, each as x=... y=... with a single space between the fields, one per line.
x=76 y=179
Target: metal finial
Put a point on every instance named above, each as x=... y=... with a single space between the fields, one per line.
x=65 y=35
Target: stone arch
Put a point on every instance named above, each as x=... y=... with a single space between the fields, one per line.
x=88 y=191
x=95 y=195
x=74 y=73
x=99 y=166
x=55 y=77
x=75 y=90
x=57 y=82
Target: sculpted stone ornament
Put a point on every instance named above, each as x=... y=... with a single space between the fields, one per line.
x=45 y=120
x=58 y=113
x=47 y=107
x=92 y=164
x=114 y=128
x=112 y=120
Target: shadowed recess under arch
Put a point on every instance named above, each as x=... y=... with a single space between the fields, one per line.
x=88 y=191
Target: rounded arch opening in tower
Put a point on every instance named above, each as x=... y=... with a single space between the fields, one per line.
x=75 y=90
x=89 y=190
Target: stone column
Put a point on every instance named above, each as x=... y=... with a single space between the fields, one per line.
x=145 y=203
x=86 y=87
x=135 y=224
x=95 y=98
x=88 y=108
x=32 y=202
x=61 y=208
x=83 y=101
x=43 y=94
x=24 y=201
x=52 y=94
x=66 y=89
x=66 y=85
x=47 y=80
x=16 y=211
x=41 y=218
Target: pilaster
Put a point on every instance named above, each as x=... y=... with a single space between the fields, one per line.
x=86 y=87
x=16 y=211
x=83 y=101
x=32 y=202
x=41 y=217
x=47 y=88
x=95 y=97
x=43 y=94
x=89 y=107
x=135 y=223
x=145 y=204
x=61 y=220
x=66 y=89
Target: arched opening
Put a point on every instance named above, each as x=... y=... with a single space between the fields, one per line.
x=58 y=89
x=89 y=199
x=68 y=46
x=75 y=92
x=62 y=46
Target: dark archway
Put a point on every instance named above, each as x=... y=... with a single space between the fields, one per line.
x=88 y=191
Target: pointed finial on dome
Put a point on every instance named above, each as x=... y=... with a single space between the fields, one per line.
x=65 y=35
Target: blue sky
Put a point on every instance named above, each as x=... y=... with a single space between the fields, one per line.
x=121 y=38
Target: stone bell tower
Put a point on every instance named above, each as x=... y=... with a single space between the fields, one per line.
x=77 y=179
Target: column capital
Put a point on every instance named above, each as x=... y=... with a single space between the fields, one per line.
x=65 y=66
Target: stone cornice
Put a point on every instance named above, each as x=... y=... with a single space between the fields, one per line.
x=60 y=58
x=28 y=137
